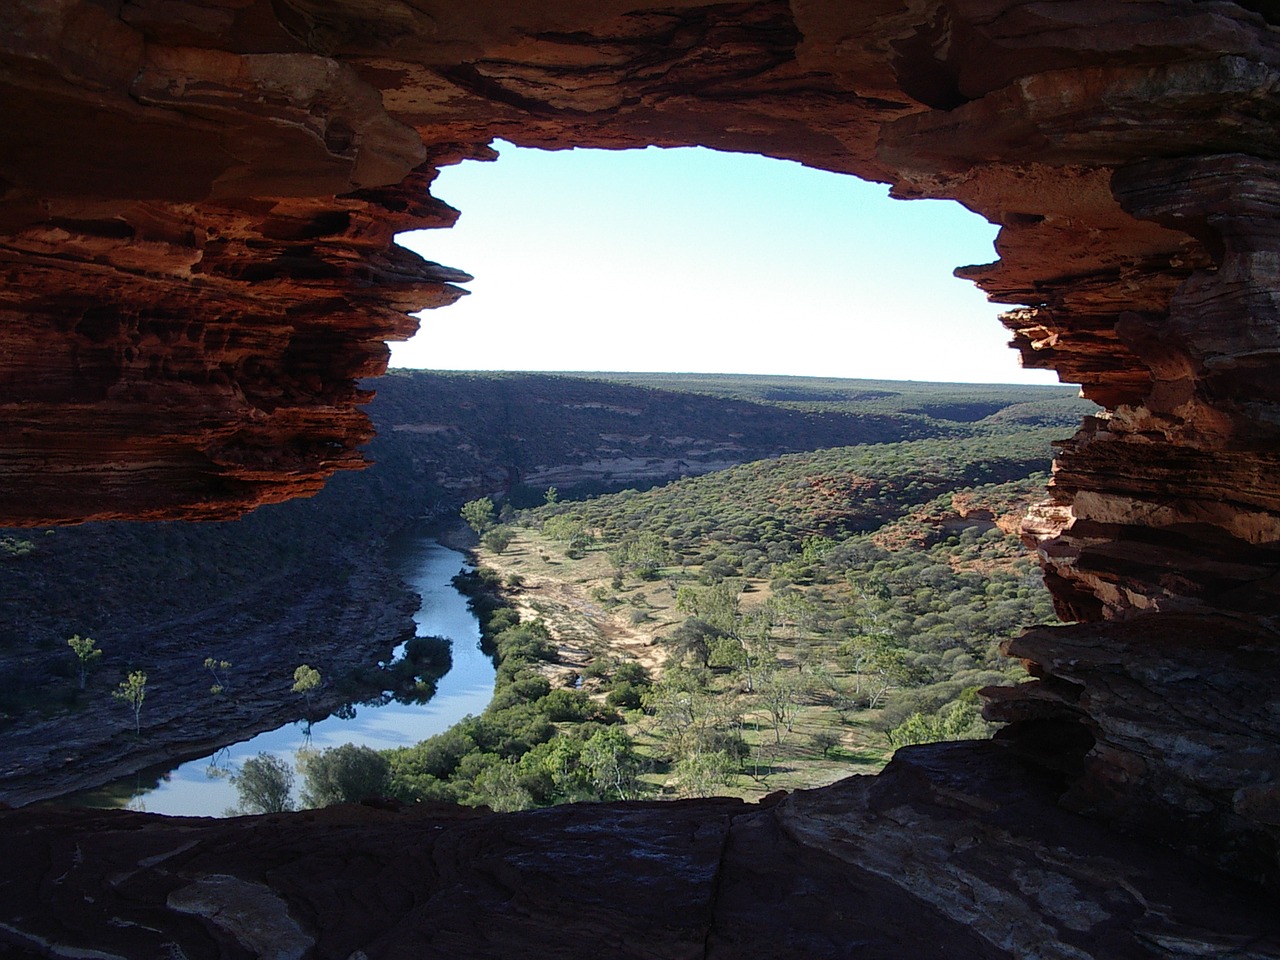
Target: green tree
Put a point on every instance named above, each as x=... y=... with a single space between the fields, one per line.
x=644 y=556
x=782 y=691
x=611 y=762
x=345 y=774
x=497 y=786
x=553 y=772
x=305 y=680
x=87 y=655
x=825 y=740
x=570 y=530
x=958 y=720
x=562 y=527
x=791 y=609
x=264 y=784
x=551 y=496
x=689 y=718
x=884 y=669
x=132 y=692
x=498 y=539
x=879 y=664
x=720 y=605
x=648 y=554
x=478 y=515
x=692 y=640
x=702 y=774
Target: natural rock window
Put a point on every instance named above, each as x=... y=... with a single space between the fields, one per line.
x=198 y=202
x=694 y=260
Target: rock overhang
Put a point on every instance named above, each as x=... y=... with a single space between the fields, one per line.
x=198 y=204
x=225 y=251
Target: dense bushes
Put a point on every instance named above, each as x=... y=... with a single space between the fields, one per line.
x=888 y=578
x=510 y=756
x=344 y=774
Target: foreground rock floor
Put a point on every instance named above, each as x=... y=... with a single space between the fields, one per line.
x=955 y=851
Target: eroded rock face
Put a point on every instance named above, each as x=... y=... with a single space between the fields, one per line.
x=1166 y=725
x=223 y=254
x=955 y=851
x=196 y=237
x=198 y=198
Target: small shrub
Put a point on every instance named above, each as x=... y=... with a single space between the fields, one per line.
x=345 y=774
x=625 y=695
x=264 y=785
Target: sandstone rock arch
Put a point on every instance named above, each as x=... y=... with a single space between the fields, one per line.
x=198 y=199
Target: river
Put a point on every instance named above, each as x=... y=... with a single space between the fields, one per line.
x=203 y=788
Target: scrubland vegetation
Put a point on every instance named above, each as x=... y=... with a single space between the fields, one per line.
x=780 y=623
x=775 y=625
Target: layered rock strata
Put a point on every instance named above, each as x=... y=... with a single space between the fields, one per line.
x=953 y=852
x=197 y=203
x=1166 y=725
x=196 y=234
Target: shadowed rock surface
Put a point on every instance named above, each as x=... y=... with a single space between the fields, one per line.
x=955 y=851
x=187 y=305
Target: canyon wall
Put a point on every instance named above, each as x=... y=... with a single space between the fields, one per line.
x=198 y=200
x=200 y=197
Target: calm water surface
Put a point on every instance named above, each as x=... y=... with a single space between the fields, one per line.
x=202 y=787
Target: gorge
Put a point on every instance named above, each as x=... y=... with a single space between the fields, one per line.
x=198 y=200
x=203 y=787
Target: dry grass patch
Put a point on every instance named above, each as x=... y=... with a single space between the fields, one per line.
x=591 y=620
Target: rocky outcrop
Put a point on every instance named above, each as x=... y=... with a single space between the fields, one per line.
x=1179 y=737
x=171 y=360
x=1185 y=515
x=954 y=851
x=224 y=252
x=196 y=236
x=197 y=204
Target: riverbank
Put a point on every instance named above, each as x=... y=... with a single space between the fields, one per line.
x=540 y=585
x=452 y=677
x=340 y=619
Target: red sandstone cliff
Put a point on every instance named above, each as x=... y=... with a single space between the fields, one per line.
x=197 y=204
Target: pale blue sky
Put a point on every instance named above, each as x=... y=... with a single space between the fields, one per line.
x=690 y=260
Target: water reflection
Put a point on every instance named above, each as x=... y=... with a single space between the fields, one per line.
x=412 y=676
x=431 y=683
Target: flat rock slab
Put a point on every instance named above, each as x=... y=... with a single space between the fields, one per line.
x=927 y=860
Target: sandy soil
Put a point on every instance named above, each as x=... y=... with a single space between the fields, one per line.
x=583 y=629
x=559 y=592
